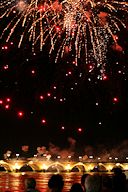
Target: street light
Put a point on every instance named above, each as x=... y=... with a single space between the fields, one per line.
x=17 y=155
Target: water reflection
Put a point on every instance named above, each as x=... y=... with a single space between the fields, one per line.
x=14 y=182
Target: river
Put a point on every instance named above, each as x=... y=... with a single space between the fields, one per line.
x=14 y=182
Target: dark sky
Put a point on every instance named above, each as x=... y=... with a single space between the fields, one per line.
x=89 y=105
x=58 y=100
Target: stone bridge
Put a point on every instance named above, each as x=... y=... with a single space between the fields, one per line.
x=19 y=165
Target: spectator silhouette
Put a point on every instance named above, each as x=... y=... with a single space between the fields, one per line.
x=119 y=180
x=30 y=185
x=76 y=187
x=56 y=183
x=106 y=183
x=84 y=176
x=93 y=183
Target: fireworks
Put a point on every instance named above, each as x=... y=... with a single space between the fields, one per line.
x=82 y=29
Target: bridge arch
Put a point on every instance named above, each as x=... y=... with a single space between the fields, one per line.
x=118 y=165
x=4 y=167
x=34 y=166
x=26 y=167
x=55 y=167
x=78 y=166
x=100 y=167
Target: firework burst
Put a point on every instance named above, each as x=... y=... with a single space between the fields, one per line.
x=81 y=28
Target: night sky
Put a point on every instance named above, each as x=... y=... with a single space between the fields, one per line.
x=44 y=102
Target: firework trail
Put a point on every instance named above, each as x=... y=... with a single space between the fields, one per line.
x=82 y=28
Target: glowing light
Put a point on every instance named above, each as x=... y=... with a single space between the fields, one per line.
x=8 y=99
x=91 y=157
x=6 y=106
x=16 y=166
x=6 y=47
x=62 y=127
x=115 y=99
x=33 y=71
x=41 y=8
x=69 y=72
x=57 y=28
x=105 y=77
x=109 y=167
x=17 y=155
x=43 y=121
x=48 y=94
x=41 y=97
x=44 y=167
x=20 y=114
x=5 y=67
x=79 y=129
x=68 y=167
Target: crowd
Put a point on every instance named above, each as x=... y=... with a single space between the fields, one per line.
x=89 y=183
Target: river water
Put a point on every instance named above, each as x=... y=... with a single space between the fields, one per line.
x=14 y=182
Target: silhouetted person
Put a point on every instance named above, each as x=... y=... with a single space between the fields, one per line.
x=93 y=183
x=56 y=183
x=76 y=187
x=106 y=183
x=30 y=185
x=119 y=180
x=126 y=184
x=84 y=176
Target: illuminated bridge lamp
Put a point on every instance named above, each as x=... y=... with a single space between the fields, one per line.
x=90 y=167
x=35 y=156
x=16 y=167
x=109 y=167
x=17 y=155
x=80 y=158
x=48 y=157
x=8 y=155
x=44 y=167
x=126 y=167
x=68 y=167
x=31 y=162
